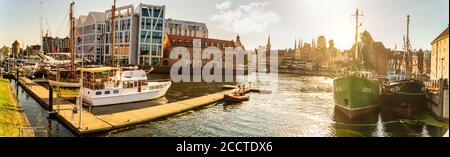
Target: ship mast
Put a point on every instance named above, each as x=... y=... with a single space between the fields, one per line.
x=407 y=51
x=42 y=27
x=113 y=14
x=72 y=35
x=357 y=15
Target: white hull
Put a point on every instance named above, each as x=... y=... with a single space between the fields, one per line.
x=64 y=84
x=113 y=99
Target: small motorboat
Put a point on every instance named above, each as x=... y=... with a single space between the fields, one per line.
x=236 y=97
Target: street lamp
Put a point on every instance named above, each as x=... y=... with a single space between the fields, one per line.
x=442 y=68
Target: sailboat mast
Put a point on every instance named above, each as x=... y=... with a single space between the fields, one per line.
x=113 y=35
x=42 y=27
x=72 y=35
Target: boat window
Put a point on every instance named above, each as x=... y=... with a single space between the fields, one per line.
x=116 y=91
x=107 y=92
x=98 y=93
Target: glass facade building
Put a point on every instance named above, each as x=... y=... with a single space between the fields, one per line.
x=151 y=28
x=139 y=34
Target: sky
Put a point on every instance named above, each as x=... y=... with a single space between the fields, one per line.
x=254 y=20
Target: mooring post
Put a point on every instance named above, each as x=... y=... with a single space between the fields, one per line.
x=50 y=101
x=17 y=81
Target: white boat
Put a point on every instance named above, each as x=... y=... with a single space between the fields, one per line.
x=109 y=86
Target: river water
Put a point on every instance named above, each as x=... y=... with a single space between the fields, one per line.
x=294 y=110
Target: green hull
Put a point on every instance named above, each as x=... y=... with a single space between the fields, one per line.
x=356 y=96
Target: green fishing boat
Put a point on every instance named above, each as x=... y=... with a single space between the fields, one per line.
x=356 y=93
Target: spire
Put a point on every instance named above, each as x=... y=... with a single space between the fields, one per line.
x=295 y=45
x=268 y=42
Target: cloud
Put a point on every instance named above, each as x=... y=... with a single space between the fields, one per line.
x=224 y=5
x=245 y=19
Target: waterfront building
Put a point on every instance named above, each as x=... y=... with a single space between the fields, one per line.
x=90 y=39
x=173 y=41
x=374 y=54
x=55 y=45
x=420 y=54
x=185 y=28
x=138 y=35
x=439 y=56
x=427 y=63
x=395 y=62
x=150 y=34
x=15 y=49
x=124 y=21
x=33 y=50
x=4 y=52
x=238 y=42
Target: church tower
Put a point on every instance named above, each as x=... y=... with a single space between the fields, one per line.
x=268 y=45
x=238 y=42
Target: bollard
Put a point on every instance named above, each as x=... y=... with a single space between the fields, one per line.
x=50 y=97
x=17 y=81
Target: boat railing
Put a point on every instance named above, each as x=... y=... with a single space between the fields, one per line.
x=94 y=85
x=160 y=80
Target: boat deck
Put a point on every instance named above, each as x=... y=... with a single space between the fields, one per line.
x=101 y=123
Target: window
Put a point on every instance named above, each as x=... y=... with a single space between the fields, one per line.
x=116 y=91
x=148 y=23
x=145 y=12
x=107 y=92
x=128 y=24
x=122 y=26
x=143 y=35
x=127 y=37
x=98 y=93
x=145 y=49
x=156 y=12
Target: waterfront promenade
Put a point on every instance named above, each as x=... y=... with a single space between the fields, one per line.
x=13 y=122
x=101 y=123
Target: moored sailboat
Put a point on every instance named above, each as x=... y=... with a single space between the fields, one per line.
x=63 y=75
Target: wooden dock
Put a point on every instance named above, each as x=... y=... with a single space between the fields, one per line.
x=101 y=123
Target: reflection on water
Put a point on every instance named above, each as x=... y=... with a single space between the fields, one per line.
x=292 y=110
x=289 y=111
x=38 y=116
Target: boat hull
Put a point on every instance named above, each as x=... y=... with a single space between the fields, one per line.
x=64 y=84
x=232 y=98
x=405 y=101
x=125 y=98
x=355 y=96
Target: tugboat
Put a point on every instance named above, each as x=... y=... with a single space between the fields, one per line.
x=356 y=94
x=405 y=97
